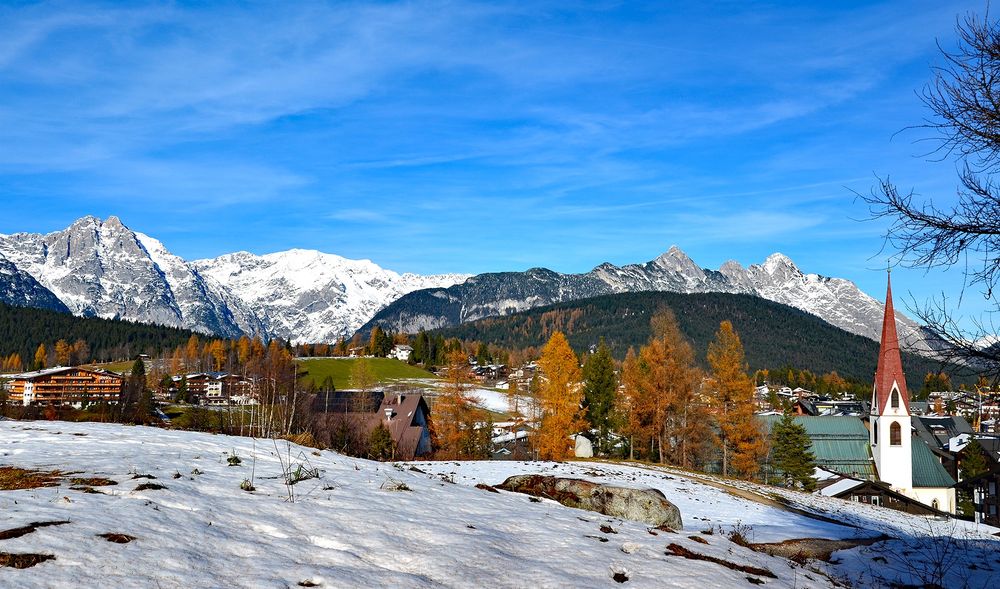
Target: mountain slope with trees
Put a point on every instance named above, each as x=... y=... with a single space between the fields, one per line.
x=22 y=329
x=774 y=335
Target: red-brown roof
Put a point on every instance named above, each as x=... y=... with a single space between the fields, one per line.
x=890 y=365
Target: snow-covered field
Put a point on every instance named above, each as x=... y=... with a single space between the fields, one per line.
x=348 y=529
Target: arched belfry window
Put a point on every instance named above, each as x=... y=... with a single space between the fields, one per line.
x=895 y=399
x=895 y=435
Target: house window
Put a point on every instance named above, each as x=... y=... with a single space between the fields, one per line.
x=895 y=437
x=875 y=432
x=935 y=504
x=895 y=399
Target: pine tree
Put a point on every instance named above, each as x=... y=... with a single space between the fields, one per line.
x=135 y=405
x=599 y=388
x=791 y=454
x=740 y=438
x=972 y=464
x=560 y=398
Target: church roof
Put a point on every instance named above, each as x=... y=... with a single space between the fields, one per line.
x=840 y=443
x=927 y=470
x=890 y=365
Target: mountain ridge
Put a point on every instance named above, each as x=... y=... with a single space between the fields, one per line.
x=105 y=269
x=837 y=301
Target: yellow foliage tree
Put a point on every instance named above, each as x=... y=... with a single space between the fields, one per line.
x=559 y=396
x=661 y=385
x=741 y=439
x=41 y=357
x=454 y=412
x=63 y=352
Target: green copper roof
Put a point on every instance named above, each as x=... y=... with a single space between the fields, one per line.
x=840 y=426
x=927 y=470
x=839 y=443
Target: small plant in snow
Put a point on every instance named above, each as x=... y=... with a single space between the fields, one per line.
x=391 y=484
x=247 y=486
x=741 y=534
x=233 y=459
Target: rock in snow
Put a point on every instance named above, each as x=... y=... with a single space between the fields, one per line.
x=641 y=505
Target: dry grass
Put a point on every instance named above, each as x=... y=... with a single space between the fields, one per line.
x=93 y=482
x=13 y=478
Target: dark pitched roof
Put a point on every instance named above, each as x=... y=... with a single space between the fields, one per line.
x=936 y=431
x=347 y=401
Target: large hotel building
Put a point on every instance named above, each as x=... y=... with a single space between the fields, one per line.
x=64 y=386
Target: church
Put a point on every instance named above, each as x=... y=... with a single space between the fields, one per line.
x=906 y=464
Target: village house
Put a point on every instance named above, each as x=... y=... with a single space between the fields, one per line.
x=65 y=385
x=405 y=415
x=401 y=352
x=217 y=388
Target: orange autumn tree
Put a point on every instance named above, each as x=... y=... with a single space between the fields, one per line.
x=661 y=386
x=559 y=396
x=740 y=437
x=455 y=426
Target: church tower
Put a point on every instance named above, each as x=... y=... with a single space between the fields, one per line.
x=890 y=418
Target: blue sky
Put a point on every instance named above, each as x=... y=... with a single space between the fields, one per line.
x=472 y=137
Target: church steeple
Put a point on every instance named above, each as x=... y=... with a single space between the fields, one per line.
x=890 y=434
x=889 y=374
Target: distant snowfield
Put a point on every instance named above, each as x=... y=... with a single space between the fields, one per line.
x=347 y=530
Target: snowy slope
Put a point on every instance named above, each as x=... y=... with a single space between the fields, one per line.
x=347 y=530
x=306 y=295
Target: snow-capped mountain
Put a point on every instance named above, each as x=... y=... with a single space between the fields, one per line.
x=19 y=289
x=308 y=295
x=838 y=301
x=104 y=269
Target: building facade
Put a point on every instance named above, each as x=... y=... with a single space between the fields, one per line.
x=70 y=385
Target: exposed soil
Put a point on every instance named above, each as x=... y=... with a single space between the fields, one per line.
x=150 y=487
x=13 y=478
x=25 y=530
x=23 y=561
x=117 y=538
x=678 y=550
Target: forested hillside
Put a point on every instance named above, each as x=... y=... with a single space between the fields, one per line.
x=774 y=335
x=22 y=329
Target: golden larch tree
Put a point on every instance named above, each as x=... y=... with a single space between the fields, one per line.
x=63 y=352
x=559 y=396
x=740 y=437
x=455 y=412
x=41 y=357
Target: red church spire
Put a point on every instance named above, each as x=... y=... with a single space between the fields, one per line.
x=890 y=365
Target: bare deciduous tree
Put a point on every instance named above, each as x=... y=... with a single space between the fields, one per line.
x=964 y=101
